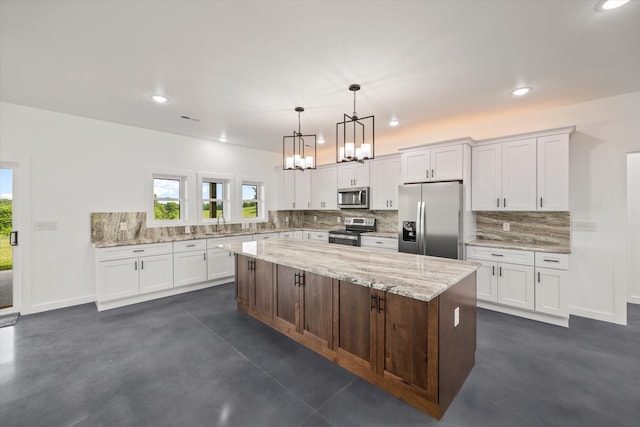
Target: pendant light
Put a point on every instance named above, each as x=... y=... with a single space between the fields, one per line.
x=355 y=136
x=298 y=153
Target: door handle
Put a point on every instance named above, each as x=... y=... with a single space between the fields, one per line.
x=13 y=238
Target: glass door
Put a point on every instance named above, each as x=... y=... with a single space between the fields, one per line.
x=8 y=239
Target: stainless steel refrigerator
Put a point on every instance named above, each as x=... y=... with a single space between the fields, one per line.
x=430 y=219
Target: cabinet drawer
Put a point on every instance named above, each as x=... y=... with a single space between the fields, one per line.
x=549 y=260
x=214 y=242
x=189 y=245
x=318 y=235
x=265 y=236
x=511 y=256
x=133 y=251
x=380 y=242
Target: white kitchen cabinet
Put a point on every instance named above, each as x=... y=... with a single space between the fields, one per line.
x=386 y=243
x=302 y=189
x=296 y=235
x=385 y=177
x=321 y=236
x=353 y=174
x=128 y=271
x=286 y=189
x=552 y=284
x=324 y=188
x=515 y=285
x=504 y=176
x=189 y=262
x=486 y=280
x=553 y=173
x=266 y=236
x=221 y=263
x=442 y=163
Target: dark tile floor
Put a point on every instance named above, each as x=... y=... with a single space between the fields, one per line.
x=193 y=360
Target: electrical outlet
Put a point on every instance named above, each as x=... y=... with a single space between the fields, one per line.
x=187 y=229
x=338 y=219
x=506 y=226
x=286 y=219
x=123 y=226
x=456 y=317
x=591 y=226
x=315 y=218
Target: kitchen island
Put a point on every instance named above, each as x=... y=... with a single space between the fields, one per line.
x=406 y=323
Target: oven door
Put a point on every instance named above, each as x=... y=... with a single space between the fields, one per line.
x=344 y=239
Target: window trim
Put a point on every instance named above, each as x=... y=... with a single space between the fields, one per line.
x=185 y=178
x=261 y=198
x=227 y=181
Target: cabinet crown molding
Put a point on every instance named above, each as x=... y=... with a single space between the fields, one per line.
x=537 y=134
x=464 y=140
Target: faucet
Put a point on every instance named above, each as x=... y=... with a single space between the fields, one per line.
x=224 y=221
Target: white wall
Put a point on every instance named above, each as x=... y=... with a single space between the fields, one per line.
x=606 y=130
x=633 y=216
x=73 y=166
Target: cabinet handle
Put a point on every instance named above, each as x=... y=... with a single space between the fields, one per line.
x=380 y=304
x=390 y=203
x=432 y=174
x=379 y=243
x=301 y=279
x=295 y=279
x=538 y=277
x=493 y=270
x=497 y=202
x=504 y=204
x=497 y=255
x=308 y=204
x=135 y=265
x=139 y=250
x=205 y=256
x=387 y=203
x=500 y=271
x=427 y=173
x=190 y=246
x=141 y=265
x=372 y=304
x=294 y=205
x=540 y=201
x=550 y=260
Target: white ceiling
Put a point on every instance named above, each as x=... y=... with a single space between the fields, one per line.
x=241 y=67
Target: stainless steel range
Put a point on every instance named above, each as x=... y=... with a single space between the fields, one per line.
x=353 y=228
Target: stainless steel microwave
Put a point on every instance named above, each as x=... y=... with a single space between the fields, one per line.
x=353 y=198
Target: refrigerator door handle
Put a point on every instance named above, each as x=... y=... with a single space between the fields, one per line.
x=424 y=228
x=419 y=227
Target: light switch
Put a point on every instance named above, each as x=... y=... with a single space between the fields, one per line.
x=187 y=229
x=456 y=317
x=506 y=226
x=123 y=226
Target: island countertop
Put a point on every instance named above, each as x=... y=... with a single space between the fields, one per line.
x=414 y=276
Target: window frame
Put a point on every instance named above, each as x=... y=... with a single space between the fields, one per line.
x=260 y=199
x=227 y=200
x=185 y=178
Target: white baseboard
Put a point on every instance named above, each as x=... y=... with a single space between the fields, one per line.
x=597 y=315
x=55 y=305
x=633 y=299
x=553 y=320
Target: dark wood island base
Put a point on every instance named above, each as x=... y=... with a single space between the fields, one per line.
x=407 y=347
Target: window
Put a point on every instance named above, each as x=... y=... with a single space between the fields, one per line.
x=214 y=198
x=252 y=200
x=167 y=202
x=167 y=198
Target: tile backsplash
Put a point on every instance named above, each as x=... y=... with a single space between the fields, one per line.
x=551 y=228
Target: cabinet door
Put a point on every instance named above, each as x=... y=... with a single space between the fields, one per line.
x=117 y=279
x=189 y=268
x=324 y=188
x=396 y=180
x=286 y=189
x=263 y=290
x=244 y=278
x=416 y=166
x=219 y=264
x=156 y=273
x=287 y=297
x=355 y=318
x=486 y=181
x=552 y=291
x=317 y=307
x=519 y=175
x=404 y=340
x=303 y=189
x=516 y=286
x=345 y=175
x=487 y=280
x=553 y=173
x=361 y=174
x=446 y=163
x=381 y=185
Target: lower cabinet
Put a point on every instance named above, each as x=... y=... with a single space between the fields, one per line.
x=403 y=345
x=525 y=283
x=189 y=262
x=221 y=263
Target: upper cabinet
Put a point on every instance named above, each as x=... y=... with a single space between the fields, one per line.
x=524 y=174
x=303 y=189
x=553 y=173
x=324 y=188
x=353 y=174
x=385 y=175
x=294 y=189
x=441 y=163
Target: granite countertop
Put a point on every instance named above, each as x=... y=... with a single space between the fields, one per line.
x=537 y=247
x=414 y=276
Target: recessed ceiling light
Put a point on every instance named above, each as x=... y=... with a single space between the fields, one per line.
x=394 y=122
x=610 y=4
x=222 y=139
x=320 y=140
x=521 y=91
x=159 y=98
